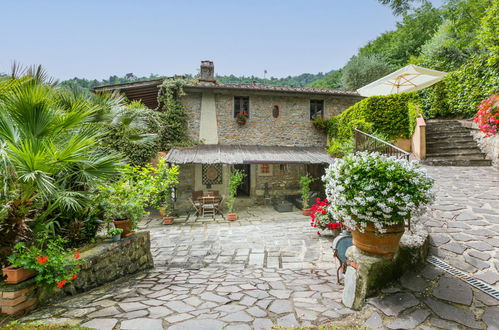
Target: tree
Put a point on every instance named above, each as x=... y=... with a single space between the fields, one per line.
x=488 y=33
x=331 y=81
x=399 y=6
x=362 y=70
x=49 y=158
x=411 y=34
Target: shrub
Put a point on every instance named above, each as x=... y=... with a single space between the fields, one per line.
x=236 y=178
x=320 y=217
x=137 y=188
x=468 y=86
x=52 y=263
x=392 y=116
x=487 y=116
x=371 y=188
x=389 y=115
x=305 y=182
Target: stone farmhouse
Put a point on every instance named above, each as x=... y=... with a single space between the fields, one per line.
x=275 y=147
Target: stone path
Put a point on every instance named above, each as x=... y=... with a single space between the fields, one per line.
x=464 y=222
x=271 y=268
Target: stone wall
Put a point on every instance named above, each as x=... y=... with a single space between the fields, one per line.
x=104 y=263
x=185 y=187
x=291 y=128
x=192 y=103
x=488 y=145
x=110 y=261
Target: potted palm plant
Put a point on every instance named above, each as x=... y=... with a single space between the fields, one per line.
x=305 y=182
x=374 y=196
x=236 y=178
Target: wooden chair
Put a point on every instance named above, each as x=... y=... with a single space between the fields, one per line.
x=208 y=206
x=197 y=206
x=218 y=207
x=213 y=193
x=196 y=195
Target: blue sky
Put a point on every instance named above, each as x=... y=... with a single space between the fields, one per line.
x=98 y=38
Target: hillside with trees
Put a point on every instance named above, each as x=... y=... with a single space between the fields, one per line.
x=461 y=37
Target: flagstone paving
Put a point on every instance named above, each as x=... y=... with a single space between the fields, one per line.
x=271 y=268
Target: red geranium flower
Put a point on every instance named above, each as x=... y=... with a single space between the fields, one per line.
x=73 y=277
x=60 y=284
x=42 y=259
x=76 y=255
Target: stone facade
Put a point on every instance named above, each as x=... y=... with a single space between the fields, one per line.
x=192 y=103
x=292 y=127
x=210 y=110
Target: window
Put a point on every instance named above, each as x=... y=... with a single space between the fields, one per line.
x=241 y=104
x=265 y=169
x=316 y=109
x=275 y=111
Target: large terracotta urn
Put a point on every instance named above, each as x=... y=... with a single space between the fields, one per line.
x=373 y=242
x=126 y=225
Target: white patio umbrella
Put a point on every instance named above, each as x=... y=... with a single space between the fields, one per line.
x=408 y=79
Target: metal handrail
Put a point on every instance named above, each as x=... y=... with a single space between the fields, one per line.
x=368 y=142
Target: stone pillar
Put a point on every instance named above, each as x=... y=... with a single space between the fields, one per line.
x=367 y=273
x=419 y=139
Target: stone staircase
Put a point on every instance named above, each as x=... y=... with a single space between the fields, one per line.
x=448 y=143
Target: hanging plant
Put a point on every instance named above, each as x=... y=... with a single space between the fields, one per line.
x=241 y=118
x=321 y=124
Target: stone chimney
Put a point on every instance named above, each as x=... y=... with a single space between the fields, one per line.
x=207 y=73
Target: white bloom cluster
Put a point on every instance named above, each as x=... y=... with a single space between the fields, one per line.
x=372 y=188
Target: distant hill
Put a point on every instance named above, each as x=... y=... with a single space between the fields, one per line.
x=302 y=80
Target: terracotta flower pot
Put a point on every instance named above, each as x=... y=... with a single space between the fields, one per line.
x=17 y=274
x=306 y=212
x=126 y=225
x=231 y=216
x=371 y=241
x=167 y=220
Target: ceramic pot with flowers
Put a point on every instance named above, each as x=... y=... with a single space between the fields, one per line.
x=375 y=196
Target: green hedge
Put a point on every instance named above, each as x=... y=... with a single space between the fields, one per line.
x=391 y=116
x=462 y=90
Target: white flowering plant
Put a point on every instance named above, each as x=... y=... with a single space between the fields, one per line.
x=372 y=188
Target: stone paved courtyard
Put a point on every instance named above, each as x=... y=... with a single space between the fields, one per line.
x=272 y=268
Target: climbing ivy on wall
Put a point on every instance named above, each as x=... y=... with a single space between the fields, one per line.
x=173 y=113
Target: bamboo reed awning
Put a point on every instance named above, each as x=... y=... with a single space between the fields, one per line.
x=247 y=154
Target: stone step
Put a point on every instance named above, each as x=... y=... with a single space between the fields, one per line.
x=473 y=153
x=446 y=128
x=450 y=142
x=457 y=162
x=449 y=137
x=439 y=145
